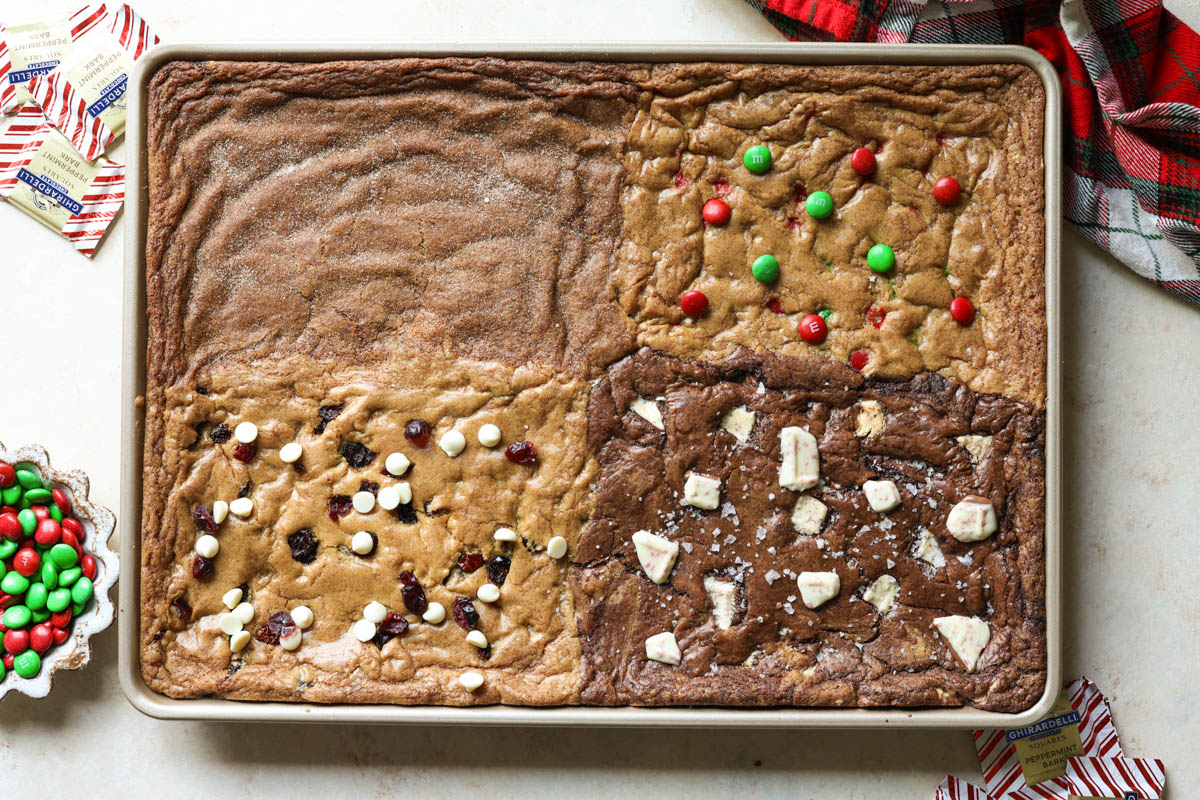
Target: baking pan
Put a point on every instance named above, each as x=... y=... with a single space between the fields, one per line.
x=133 y=386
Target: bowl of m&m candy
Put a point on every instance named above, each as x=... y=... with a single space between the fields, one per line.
x=55 y=570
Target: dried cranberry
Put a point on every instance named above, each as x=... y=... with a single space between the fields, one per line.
x=681 y=181
x=406 y=514
x=774 y=305
x=279 y=625
x=245 y=453
x=339 y=506
x=202 y=390
x=298 y=467
x=304 y=546
x=418 y=432
x=203 y=568
x=357 y=455
x=328 y=414
x=221 y=434
x=369 y=486
x=497 y=570
x=485 y=654
x=204 y=520
x=413 y=594
x=246 y=489
x=464 y=613
x=521 y=453
x=469 y=562
x=392 y=626
x=182 y=609
x=245 y=590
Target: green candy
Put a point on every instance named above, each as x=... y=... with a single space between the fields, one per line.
x=81 y=592
x=14 y=583
x=25 y=502
x=28 y=521
x=39 y=616
x=28 y=479
x=28 y=664
x=16 y=617
x=35 y=598
x=880 y=258
x=38 y=496
x=825 y=313
x=49 y=575
x=819 y=205
x=757 y=159
x=69 y=576
x=79 y=608
x=7 y=548
x=12 y=494
x=3 y=673
x=3 y=570
x=765 y=269
x=59 y=599
x=63 y=556
x=56 y=513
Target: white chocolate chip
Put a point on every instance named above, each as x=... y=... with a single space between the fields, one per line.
x=374 y=612
x=230 y=624
x=397 y=464
x=488 y=435
x=362 y=543
x=238 y=641
x=244 y=612
x=452 y=443
x=557 y=547
x=242 y=507
x=404 y=492
x=702 y=491
x=818 y=588
x=656 y=554
x=232 y=598
x=292 y=640
x=967 y=637
x=470 y=680
x=870 y=418
x=505 y=535
x=303 y=617
x=363 y=502
x=972 y=520
x=740 y=422
x=882 y=593
x=927 y=549
x=488 y=593
x=434 y=614
x=648 y=410
x=478 y=639
x=245 y=432
x=809 y=515
x=662 y=647
x=800 y=466
x=363 y=630
x=722 y=594
x=881 y=495
x=389 y=498
x=220 y=511
x=208 y=546
x=976 y=445
x=290 y=453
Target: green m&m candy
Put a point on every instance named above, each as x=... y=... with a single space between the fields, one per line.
x=58 y=600
x=49 y=575
x=11 y=495
x=81 y=592
x=3 y=570
x=28 y=479
x=35 y=598
x=38 y=496
x=64 y=556
x=880 y=258
x=56 y=513
x=39 y=616
x=69 y=576
x=765 y=269
x=14 y=583
x=819 y=205
x=825 y=313
x=3 y=672
x=17 y=617
x=7 y=548
x=78 y=608
x=28 y=521
x=28 y=664
x=757 y=159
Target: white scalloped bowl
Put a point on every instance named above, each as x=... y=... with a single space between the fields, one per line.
x=98 y=523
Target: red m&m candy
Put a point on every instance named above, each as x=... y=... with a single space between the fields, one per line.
x=10 y=526
x=7 y=660
x=61 y=634
x=41 y=636
x=40 y=512
x=71 y=524
x=60 y=619
x=858 y=359
x=694 y=303
x=946 y=191
x=715 y=212
x=48 y=532
x=61 y=500
x=16 y=641
x=88 y=565
x=813 y=329
x=27 y=561
x=862 y=161
x=962 y=310
x=8 y=475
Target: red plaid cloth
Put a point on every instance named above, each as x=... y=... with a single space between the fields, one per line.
x=1130 y=72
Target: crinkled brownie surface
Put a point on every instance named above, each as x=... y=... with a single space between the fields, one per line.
x=471 y=240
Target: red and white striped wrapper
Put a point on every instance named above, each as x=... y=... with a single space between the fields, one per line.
x=957 y=789
x=1132 y=778
x=82 y=21
x=65 y=106
x=100 y=202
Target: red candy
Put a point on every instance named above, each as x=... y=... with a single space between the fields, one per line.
x=40 y=512
x=72 y=525
x=694 y=303
x=813 y=329
x=61 y=500
x=774 y=305
x=862 y=161
x=7 y=600
x=41 y=637
x=722 y=188
x=876 y=316
x=48 y=532
x=962 y=311
x=10 y=526
x=27 y=561
x=715 y=212
x=858 y=359
x=946 y=191
x=60 y=635
x=7 y=660
x=16 y=642
x=61 y=619
x=681 y=181
x=88 y=565
x=8 y=475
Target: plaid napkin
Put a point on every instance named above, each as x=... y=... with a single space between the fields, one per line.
x=1130 y=72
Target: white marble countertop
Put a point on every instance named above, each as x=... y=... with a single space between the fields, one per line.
x=1132 y=384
